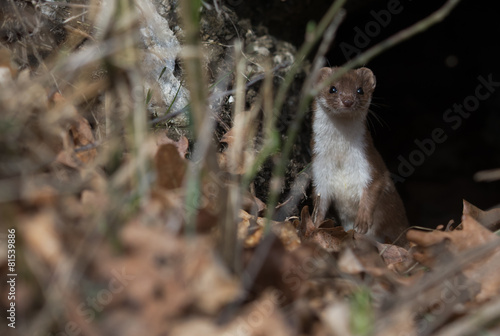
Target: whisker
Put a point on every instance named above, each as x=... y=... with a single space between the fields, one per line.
x=370 y=124
x=377 y=117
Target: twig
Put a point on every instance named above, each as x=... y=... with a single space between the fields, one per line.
x=487 y=175
x=306 y=48
x=33 y=43
x=87 y=147
x=65 y=4
x=201 y=124
x=215 y=96
x=168 y=116
x=75 y=16
x=390 y=42
x=229 y=245
x=254 y=80
x=471 y=323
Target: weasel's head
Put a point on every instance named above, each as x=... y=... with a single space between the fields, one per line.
x=349 y=96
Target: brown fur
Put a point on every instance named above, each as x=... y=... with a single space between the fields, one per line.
x=381 y=211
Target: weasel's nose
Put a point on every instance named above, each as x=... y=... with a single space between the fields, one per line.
x=347 y=102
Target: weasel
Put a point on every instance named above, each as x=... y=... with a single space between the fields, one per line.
x=348 y=172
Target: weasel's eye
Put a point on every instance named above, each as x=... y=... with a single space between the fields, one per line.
x=333 y=89
x=360 y=90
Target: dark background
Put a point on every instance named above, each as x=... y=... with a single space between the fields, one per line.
x=417 y=81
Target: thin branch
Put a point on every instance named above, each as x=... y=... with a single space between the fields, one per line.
x=487 y=175
x=254 y=80
x=87 y=147
x=390 y=42
x=470 y=324
x=304 y=51
x=215 y=96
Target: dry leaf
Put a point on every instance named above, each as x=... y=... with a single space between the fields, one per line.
x=97 y=201
x=401 y=322
x=251 y=230
x=336 y=318
x=228 y=137
x=489 y=219
x=182 y=145
x=290 y=272
x=473 y=234
x=79 y=134
x=41 y=237
x=67 y=158
x=7 y=66
x=82 y=136
x=393 y=254
x=38 y=192
x=165 y=276
x=253 y=204
x=445 y=246
x=170 y=167
x=261 y=317
x=326 y=236
x=349 y=262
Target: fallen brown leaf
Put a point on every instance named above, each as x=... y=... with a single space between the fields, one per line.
x=42 y=239
x=82 y=136
x=39 y=192
x=290 y=272
x=261 y=317
x=165 y=276
x=438 y=247
x=326 y=236
x=170 y=167
x=251 y=231
x=472 y=234
x=6 y=62
x=253 y=204
x=395 y=256
x=489 y=219
x=182 y=145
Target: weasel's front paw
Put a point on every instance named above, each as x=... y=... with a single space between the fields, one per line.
x=363 y=222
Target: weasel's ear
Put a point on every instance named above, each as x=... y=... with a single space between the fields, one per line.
x=368 y=77
x=323 y=73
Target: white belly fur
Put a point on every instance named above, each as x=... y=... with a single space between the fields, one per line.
x=340 y=167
